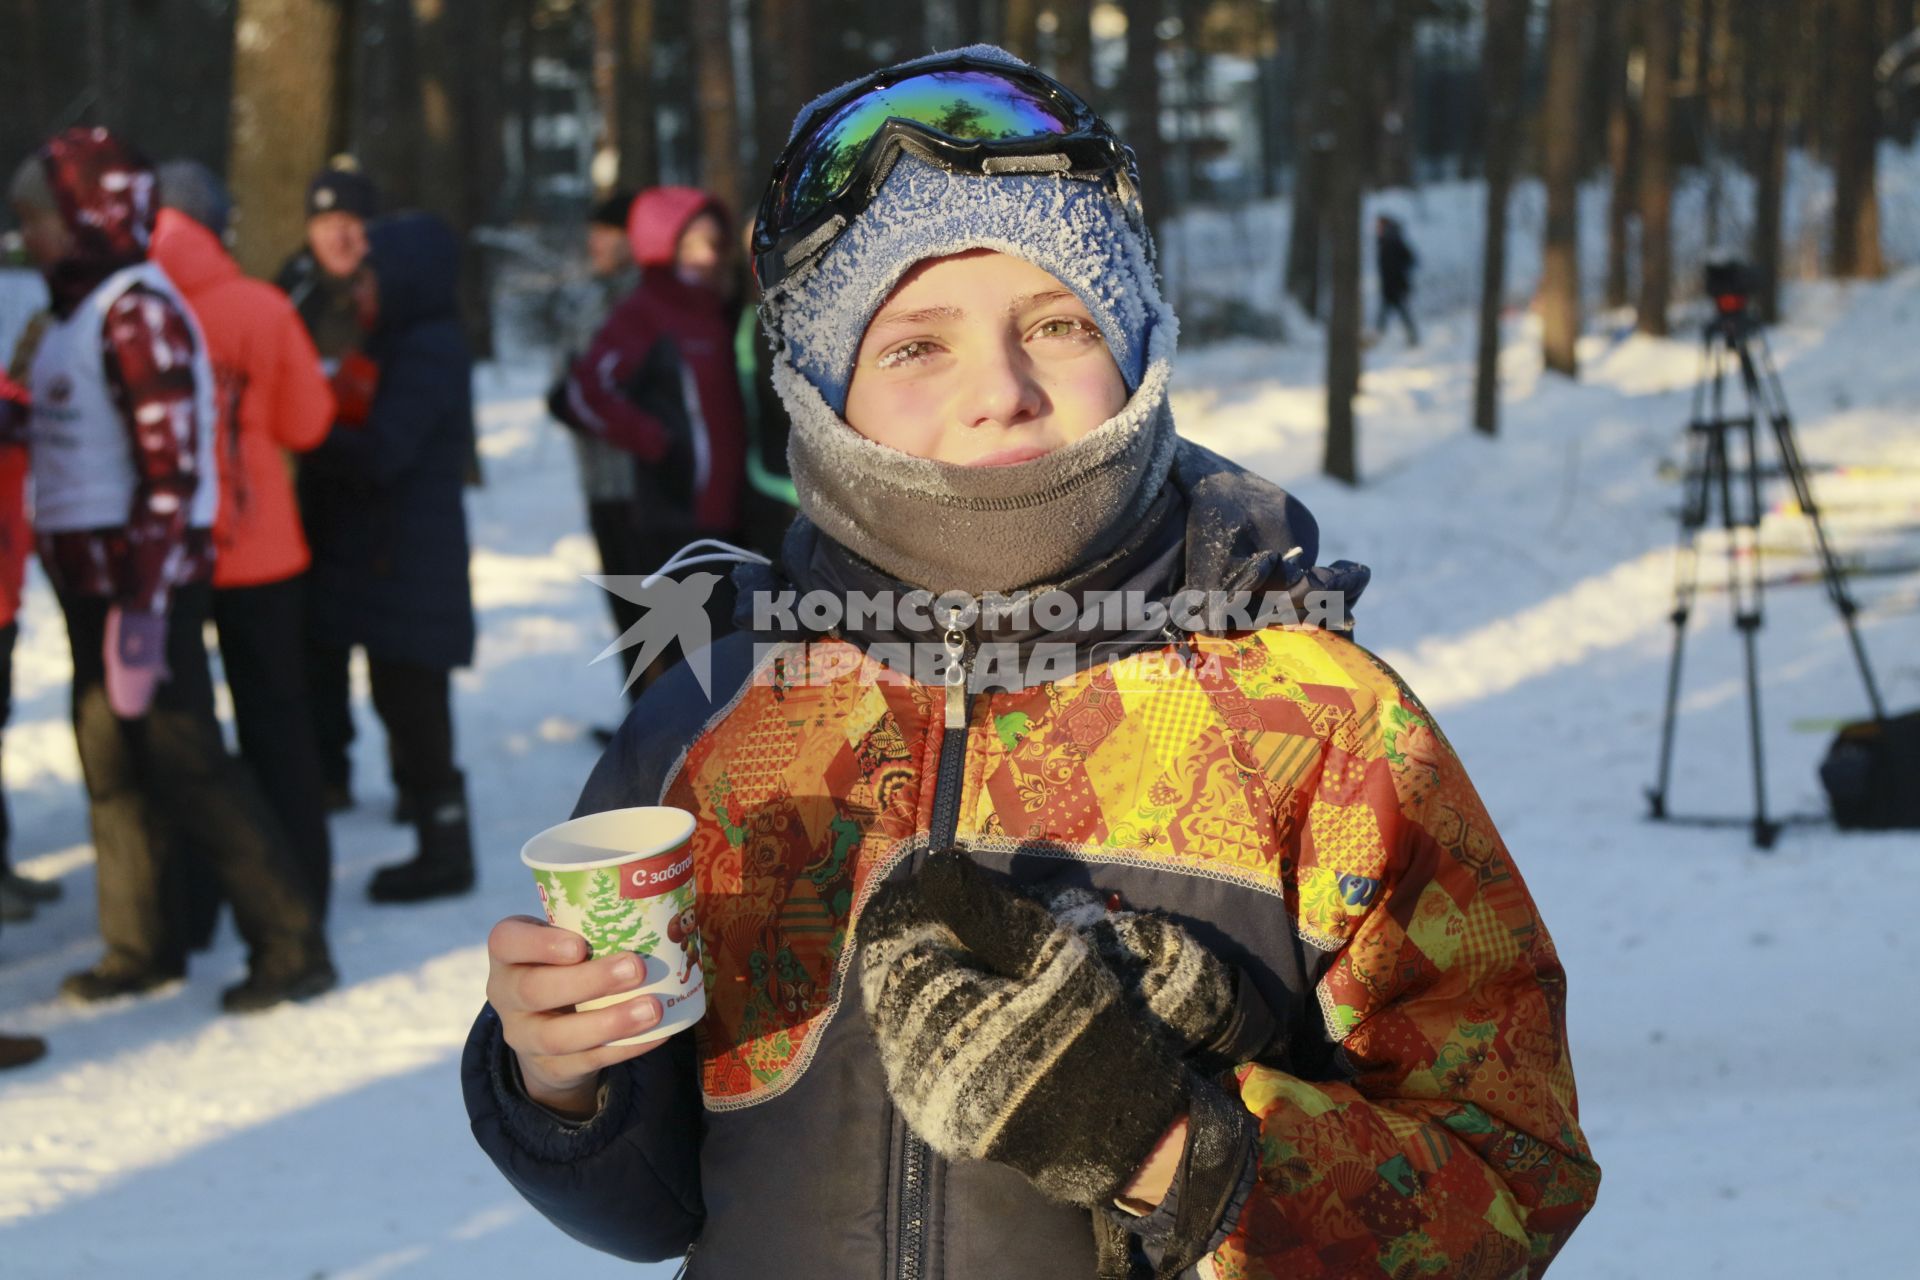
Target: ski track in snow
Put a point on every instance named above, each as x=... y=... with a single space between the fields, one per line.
x=1745 y=1073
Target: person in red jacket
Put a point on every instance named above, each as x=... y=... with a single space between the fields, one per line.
x=15 y=537
x=272 y=397
x=19 y=895
x=659 y=379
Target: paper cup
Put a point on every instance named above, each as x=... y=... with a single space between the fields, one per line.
x=623 y=880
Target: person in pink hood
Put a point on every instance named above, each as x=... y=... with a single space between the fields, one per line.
x=659 y=379
x=121 y=446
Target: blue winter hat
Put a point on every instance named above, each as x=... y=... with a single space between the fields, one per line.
x=195 y=190
x=1091 y=239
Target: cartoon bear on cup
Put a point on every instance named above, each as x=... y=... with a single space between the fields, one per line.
x=684 y=932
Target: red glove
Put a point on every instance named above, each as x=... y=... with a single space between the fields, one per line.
x=136 y=657
x=16 y=403
x=355 y=381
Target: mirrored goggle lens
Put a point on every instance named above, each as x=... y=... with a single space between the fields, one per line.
x=966 y=106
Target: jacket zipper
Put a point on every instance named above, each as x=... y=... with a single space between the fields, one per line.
x=949 y=774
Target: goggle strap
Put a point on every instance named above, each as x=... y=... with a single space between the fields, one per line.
x=1051 y=162
x=819 y=236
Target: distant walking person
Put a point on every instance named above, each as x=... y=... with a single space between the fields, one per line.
x=383 y=504
x=121 y=433
x=1396 y=261
x=272 y=397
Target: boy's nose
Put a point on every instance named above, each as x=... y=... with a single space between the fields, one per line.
x=1001 y=390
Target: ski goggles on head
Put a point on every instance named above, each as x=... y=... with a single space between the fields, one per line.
x=964 y=114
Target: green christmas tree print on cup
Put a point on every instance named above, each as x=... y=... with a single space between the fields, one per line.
x=623 y=880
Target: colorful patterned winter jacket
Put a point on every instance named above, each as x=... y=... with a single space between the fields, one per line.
x=1280 y=792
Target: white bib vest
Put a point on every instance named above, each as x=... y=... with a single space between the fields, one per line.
x=82 y=466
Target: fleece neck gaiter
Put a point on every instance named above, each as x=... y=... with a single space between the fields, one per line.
x=978 y=529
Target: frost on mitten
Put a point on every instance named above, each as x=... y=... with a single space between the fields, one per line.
x=1206 y=1009
x=1003 y=1039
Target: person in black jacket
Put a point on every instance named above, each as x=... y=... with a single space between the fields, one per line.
x=382 y=502
x=1396 y=261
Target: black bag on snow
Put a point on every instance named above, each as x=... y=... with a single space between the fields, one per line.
x=1872 y=774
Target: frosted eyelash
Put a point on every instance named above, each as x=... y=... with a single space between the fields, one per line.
x=1082 y=328
x=900 y=355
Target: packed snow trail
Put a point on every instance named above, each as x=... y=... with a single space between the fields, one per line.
x=1743 y=1087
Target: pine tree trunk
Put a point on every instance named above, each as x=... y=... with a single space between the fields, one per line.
x=1504 y=66
x=1656 y=168
x=637 y=127
x=1307 y=235
x=1623 y=155
x=1142 y=94
x=783 y=78
x=909 y=29
x=1856 y=143
x=283 y=85
x=458 y=56
x=1560 y=134
x=1767 y=31
x=719 y=124
x=1073 y=43
x=1020 y=28
x=1347 y=109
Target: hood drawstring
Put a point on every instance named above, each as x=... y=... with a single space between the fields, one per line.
x=712 y=551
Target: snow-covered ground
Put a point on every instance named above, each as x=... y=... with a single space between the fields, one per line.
x=1747 y=1077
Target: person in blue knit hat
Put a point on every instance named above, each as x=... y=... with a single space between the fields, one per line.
x=1156 y=931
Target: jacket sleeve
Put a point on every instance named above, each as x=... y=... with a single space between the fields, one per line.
x=302 y=406
x=423 y=376
x=598 y=395
x=1453 y=1145
x=627 y=1181
x=148 y=354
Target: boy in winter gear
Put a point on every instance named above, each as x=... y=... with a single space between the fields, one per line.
x=383 y=503
x=125 y=490
x=272 y=398
x=658 y=382
x=976 y=363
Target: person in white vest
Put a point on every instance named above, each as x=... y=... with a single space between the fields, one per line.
x=121 y=445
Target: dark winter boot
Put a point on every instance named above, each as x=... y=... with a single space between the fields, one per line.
x=115 y=976
x=269 y=986
x=444 y=865
x=18 y=1051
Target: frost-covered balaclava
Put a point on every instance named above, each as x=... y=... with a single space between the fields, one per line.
x=947 y=527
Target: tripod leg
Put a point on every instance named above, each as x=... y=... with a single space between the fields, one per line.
x=1686 y=576
x=1763 y=388
x=1743 y=586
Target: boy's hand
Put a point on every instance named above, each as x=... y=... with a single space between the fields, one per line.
x=1210 y=1012
x=537 y=973
x=1004 y=1039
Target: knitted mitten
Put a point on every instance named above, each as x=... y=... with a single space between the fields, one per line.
x=1205 y=1007
x=1004 y=1039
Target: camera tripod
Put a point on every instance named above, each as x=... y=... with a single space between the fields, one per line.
x=1716 y=481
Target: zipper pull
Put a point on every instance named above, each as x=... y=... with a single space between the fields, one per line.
x=957 y=664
